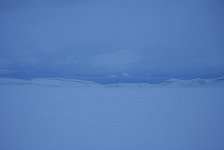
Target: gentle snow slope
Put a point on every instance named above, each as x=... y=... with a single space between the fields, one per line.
x=100 y=118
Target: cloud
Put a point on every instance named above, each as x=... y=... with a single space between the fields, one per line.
x=6 y=71
x=117 y=60
x=18 y=4
x=4 y=67
x=70 y=37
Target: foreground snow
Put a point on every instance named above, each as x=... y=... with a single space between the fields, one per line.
x=100 y=118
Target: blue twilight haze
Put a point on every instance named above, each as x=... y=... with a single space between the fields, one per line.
x=112 y=40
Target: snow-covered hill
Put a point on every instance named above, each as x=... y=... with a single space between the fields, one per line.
x=194 y=82
x=49 y=82
x=60 y=82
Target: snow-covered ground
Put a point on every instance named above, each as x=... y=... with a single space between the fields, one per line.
x=59 y=114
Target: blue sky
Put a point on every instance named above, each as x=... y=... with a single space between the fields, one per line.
x=110 y=39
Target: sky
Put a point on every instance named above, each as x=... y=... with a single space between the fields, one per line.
x=112 y=40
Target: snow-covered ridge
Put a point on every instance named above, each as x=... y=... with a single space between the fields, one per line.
x=51 y=82
x=60 y=82
x=195 y=82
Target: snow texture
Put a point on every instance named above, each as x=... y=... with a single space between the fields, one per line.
x=56 y=114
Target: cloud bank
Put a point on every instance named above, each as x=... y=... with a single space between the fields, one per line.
x=104 y=38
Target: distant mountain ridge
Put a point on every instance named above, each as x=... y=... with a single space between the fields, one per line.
x=60 y=82
x=195 y=82
x=51 y=82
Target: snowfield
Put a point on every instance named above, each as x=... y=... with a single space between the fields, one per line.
x=59 y=114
